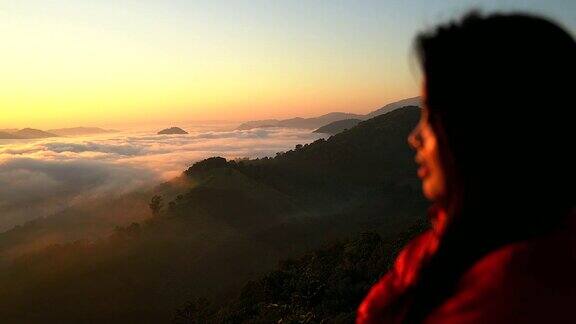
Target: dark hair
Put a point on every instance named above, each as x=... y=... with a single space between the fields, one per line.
x=500 y=98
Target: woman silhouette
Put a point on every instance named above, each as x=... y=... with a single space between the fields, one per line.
x=495 y=148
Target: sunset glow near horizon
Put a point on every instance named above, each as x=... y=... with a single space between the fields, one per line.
x=111 y=63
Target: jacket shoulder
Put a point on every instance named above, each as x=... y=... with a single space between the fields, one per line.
x=377 y=306
x=525 y=282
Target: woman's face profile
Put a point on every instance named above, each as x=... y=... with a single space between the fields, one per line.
x=424 y=141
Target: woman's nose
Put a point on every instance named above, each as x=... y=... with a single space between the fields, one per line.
x=415 y=138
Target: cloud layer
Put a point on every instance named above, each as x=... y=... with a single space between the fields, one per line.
x=40 y=177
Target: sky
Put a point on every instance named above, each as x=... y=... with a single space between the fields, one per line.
x=109 y=63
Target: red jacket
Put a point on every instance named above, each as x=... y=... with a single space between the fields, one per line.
x=533 y=281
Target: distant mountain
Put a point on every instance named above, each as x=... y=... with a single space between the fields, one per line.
x=78 y=131
x=259 y=124
x=298 y=122
x=9 y=130
x=31 y=133
x=324 y=120
x=8 y=135
x=172 y=131
x=338 y=126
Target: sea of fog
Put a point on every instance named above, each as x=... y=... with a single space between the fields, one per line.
x=41 y=177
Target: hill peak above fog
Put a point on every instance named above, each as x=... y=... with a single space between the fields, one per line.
x=172 y=131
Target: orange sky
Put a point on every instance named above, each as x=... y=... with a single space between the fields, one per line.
x=112 y=63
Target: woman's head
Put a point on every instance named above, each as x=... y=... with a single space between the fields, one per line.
x=495 y=139
x=498 y=101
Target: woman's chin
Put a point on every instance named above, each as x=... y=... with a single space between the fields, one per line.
x=431 y=191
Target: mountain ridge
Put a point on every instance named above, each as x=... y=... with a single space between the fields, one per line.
x=7 y=135
x=32 y=133
x=338 y=126
x=326 y=119
x=78 y=131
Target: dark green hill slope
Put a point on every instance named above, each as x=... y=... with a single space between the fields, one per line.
x=322 y=286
